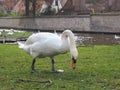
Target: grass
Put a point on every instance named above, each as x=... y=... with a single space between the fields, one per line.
x=98 y=68
x=16 y=35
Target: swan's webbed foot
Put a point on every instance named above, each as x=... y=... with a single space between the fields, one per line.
x=54 y=71
x=33 y=70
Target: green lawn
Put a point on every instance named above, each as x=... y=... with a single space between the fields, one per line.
x=98 y=68
x=15 y=35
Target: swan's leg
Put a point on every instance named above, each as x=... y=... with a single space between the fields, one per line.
x=53 y=62
x=32 y=66
x=53 y=69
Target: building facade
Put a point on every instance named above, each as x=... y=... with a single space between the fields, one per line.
x=8 y=5
x=72 y=6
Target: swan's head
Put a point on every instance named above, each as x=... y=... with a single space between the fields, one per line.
x=74 y=55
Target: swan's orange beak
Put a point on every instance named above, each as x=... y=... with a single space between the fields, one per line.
x=73 y=63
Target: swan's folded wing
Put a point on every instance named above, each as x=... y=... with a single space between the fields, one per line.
x=40 y=37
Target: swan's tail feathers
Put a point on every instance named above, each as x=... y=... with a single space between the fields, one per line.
x=21 y=45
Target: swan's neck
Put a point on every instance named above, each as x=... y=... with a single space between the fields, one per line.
x=68 y=36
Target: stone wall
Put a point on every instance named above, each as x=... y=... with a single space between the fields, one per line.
x=95 y=23
x=76 y=23
x=105 y=23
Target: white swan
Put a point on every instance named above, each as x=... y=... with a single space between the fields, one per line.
x=50 y=44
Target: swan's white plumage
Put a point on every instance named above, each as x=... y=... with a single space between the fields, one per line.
x=45 y=44
x=50 y=44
